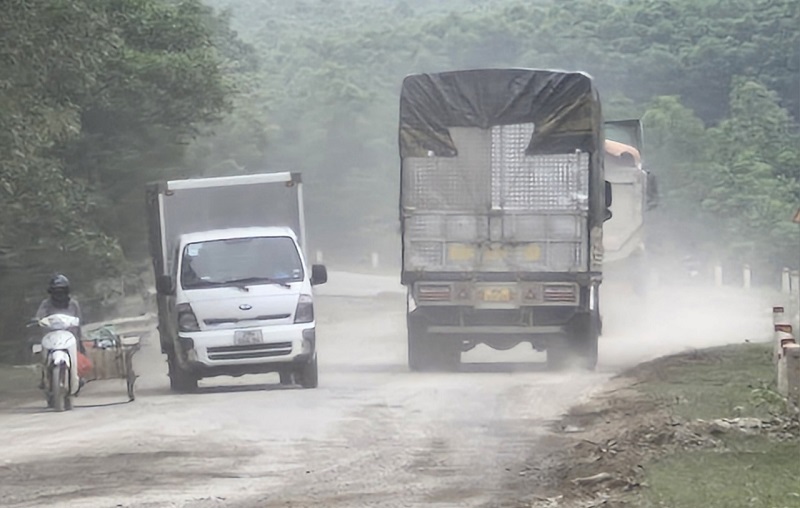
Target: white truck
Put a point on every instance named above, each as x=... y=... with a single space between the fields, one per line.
x=635 y=193
x=234 y=289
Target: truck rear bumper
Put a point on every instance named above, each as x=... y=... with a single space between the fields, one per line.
x=496 y=330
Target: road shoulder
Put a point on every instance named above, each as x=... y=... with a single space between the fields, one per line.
x=700 y=429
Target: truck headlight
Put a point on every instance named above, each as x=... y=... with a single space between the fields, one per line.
x=305 y=310
x=187 y=321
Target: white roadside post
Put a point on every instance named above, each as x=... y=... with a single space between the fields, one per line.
x=374 y=260
x=786 y=282
x=747 y=276
x=784 y=340
x=791 y=355
x=778 y=321
x=319 y=257
x=718 y=275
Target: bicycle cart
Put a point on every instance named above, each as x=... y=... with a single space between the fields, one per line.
x=111 y=354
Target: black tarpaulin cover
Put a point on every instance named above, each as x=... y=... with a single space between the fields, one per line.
x=563 y=106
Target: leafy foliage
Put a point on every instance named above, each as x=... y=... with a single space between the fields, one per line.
x=331 y=72
x=96 y=97
x=99 y=96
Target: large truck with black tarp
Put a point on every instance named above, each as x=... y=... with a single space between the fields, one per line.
x=502 y=204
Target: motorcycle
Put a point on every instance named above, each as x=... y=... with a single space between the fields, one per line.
x=58 y=351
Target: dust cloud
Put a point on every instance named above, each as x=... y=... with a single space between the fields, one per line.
x=676 y=316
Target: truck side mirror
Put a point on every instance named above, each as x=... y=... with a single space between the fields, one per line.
x=319 y=275
x=165 y=285
x=609 y=197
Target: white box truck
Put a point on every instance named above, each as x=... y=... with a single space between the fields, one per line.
x=234 y=289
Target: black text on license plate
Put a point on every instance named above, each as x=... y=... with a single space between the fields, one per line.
x=497 y=295
x=244 y=337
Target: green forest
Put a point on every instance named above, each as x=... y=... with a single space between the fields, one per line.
x=98 y=97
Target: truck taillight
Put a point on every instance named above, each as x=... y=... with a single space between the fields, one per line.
x=560 y=293
x=434 y=293
x=187 y=321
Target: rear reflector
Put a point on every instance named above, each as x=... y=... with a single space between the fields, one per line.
x=560 y=293
x=431 y=293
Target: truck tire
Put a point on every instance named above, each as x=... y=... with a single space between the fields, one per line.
x=558 y=356
x=287 y=377
x=429 y=354
x=180 y=381
x=583 y=342
x=308 y=374
x=578 y=349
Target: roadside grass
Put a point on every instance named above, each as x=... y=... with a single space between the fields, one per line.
x=17 y=383
x=751 y=472
x=724 y=382
x=747 y=470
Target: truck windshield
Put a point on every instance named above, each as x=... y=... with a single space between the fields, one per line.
x=241 y=261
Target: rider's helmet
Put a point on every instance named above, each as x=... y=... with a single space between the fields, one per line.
x=59 y=289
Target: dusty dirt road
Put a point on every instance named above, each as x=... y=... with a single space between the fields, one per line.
x=373 y=434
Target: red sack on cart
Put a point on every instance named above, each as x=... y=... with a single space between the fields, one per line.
x=84 y=365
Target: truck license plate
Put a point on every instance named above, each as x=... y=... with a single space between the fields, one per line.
x=496 y=295
x=245 y=337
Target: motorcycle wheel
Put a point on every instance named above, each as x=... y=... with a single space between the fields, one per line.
x=57 y=389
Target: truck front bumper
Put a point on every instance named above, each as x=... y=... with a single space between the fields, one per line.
x=216 y=352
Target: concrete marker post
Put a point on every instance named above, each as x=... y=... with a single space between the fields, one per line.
x=747 y=276
x=718 y=275
x=375 y=260
x=784 y=340
x=786 y=282
x=777 y=319
x=792 y=373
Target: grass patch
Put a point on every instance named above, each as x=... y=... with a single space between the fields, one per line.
x=750 y=473
x=721 y=382
x=17 y=383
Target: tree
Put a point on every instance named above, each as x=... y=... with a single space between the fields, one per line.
x=97 y=96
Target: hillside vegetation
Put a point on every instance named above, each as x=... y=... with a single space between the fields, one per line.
x=100 y=96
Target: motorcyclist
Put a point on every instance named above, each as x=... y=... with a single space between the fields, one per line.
x=60 y=302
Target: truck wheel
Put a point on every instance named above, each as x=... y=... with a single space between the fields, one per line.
x=578 y=349
x=583 y=342
x=428 y=354
x=558 y=357
x=180 y=381
x=286 y=377
x=308 y=374
x=586 y=351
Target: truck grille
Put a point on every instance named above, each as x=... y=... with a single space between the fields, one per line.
x=250 y=351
